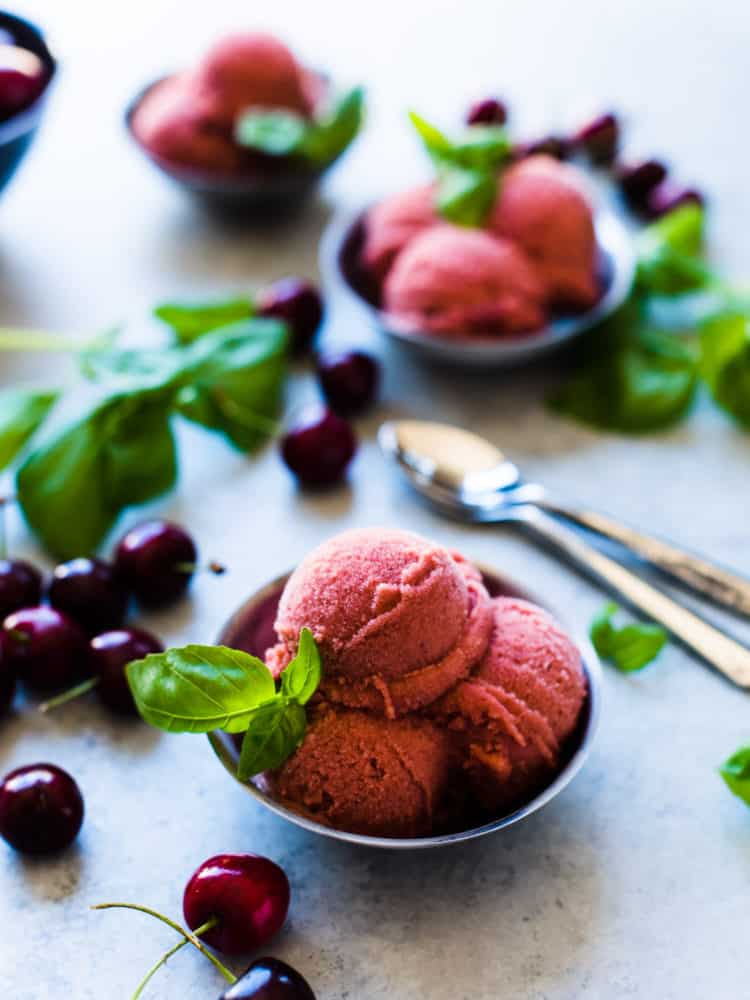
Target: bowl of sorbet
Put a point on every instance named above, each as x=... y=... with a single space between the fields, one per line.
x=545 y=266
x=26 y=71
x=187 y=124
x=452 y=703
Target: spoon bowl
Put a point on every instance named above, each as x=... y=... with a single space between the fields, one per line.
x=251 y=629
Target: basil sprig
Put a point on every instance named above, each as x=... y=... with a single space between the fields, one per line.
x=467 y=169
x=22 y=412
x=318 y=141
x=629 y=648
x=190 y=321
x=197 y=689
x=736 y=773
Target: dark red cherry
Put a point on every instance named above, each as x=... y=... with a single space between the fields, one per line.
x=156 y=561
x=20 y=585
x=22 y=79
x=269 y=979
x=599 y=139
x=549 y=145
x=41 y=809
x=247 y=894
x=319 y=447
x=489 y=111
x=349 y=380
x=90 y=591
x=666 y=197
x=7 y=678
x=299 y=305
x=46 y=648
x=109 y=654
x=637 y=181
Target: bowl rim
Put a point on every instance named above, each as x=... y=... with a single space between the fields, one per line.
x=613 y=238
x=27 y=119
x=591 y=667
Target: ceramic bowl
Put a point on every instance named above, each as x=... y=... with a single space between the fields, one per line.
x=18 y=132
x=339 y=263
x=251 y=628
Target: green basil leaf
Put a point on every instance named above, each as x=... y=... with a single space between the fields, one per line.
x=199 y=688
x=275 y=133
x=682 y=230
x=438 y=145
x=669 y=253
x=328 y=136
x=274 y=733
x=736 y=773
x=22 y=412
x=465 y=196
x=629 y=648
x=301 y=678
x=725 y=363
x=191 y=320
x=482 y=147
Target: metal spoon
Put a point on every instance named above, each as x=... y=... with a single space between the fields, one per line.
x=467 y=478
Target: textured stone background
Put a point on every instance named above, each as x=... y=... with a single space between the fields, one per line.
x=633 y=883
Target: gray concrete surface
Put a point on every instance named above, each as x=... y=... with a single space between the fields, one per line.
x=634 y=883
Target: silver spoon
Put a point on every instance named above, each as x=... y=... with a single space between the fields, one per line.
x=467 y=478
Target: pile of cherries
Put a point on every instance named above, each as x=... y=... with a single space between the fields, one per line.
x=320 y=442
x=645 y=184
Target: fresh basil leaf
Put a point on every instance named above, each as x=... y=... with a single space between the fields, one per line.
x=302 y=676
x=22 y=412
x=736 y=773
x=631 y=377
x=482 y=147
x=682 y=230
x=465 y=196
x=438 y=145
x=336 y=129
x=199 y=688
x=629 y=648
x=669 y=254
x=275 y=133
x=191 y=320
x=725 y=363
x=275 y=731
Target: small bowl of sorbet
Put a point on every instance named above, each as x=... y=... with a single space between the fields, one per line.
x=192 y=125
x=545 y=266
x=26 y=71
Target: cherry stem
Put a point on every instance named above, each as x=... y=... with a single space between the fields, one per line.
x=217 y=568
x=168 y=954
x=75 y=692
x=187 y=935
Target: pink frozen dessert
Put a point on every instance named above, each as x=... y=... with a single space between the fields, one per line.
x=451 y=280
x=544 y=210
x=392 y=223
x=436 y=700
x=188 y=119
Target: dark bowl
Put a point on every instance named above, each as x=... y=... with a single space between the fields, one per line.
x=268 y=186
x=17 y=133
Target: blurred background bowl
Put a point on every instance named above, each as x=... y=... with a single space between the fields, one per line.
x=18 y=132
x=340 y=266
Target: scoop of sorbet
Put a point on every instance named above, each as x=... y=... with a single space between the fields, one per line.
x=450 y=280
x=392 y=223
x=542 y=207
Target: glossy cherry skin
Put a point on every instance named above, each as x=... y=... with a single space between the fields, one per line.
x=269 y=979
x=299 y=305
x=549 y=145
x=23 y=77
x=319 y=447
x=47 y=649
x=599 y=139
x=637 y=180
x=7 y=677
x=156 y=561
x=349 y=380
x=109 y=654
x=20 y=585
x=666 y=197
x=90 y=591
x=41 y=809
x=489 y=111
x=248 y=894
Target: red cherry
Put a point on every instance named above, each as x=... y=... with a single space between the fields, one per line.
x=7 y=678
x=247 y=894
x=109 y=654
x=41 y=809
x=20 y=585
x=269 y=979
x=46 y=648
x=549 y=145
x=319 y=447
x=22 y=79
x=156 y=560
x=637 y=180
x=349 y=380
x=666 y=197
x=90 y=591
x=489 y=111
x=298 y=304
x=599 y=139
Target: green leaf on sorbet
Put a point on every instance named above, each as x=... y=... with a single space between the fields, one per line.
x=301 y=678
x=274 y=733
x=736 y=773
x=629 y=648
x=670 y=257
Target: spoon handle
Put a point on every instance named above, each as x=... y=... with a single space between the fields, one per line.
x=719 y=585
x=719 y=650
